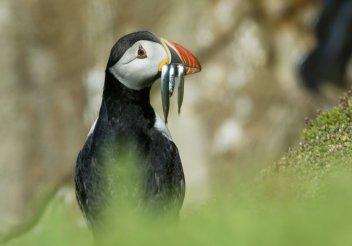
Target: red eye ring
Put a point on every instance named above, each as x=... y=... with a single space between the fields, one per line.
x=141 y=53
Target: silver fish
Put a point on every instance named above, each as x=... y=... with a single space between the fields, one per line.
x=172 y=78
x=181 y=81
x=164 y=86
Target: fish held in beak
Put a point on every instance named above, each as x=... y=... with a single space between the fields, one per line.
x=180 y=62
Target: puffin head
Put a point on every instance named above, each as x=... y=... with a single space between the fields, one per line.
x=136 y=60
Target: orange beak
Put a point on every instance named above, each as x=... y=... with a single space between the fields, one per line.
x=180 y=55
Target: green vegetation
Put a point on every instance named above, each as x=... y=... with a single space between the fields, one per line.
x=325 y=151
x=303 y=199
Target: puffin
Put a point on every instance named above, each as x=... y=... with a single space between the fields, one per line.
x=129 y=159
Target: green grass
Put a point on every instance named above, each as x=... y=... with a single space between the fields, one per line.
x=303 y=199
x=250 y=217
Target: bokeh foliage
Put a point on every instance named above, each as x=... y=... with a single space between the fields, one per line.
x=303 y=199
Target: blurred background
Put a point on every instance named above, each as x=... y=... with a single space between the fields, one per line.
x=267 y=65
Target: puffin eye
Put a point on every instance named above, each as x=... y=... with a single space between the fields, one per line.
x=141 y=53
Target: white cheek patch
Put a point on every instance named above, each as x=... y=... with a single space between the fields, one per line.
x=136 y=73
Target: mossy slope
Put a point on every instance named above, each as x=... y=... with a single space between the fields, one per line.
x=324 y=151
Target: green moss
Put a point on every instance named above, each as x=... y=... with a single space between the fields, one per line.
x=326 y=148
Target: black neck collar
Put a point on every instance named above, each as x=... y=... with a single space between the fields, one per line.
x=114 y=90
x=117 y=96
